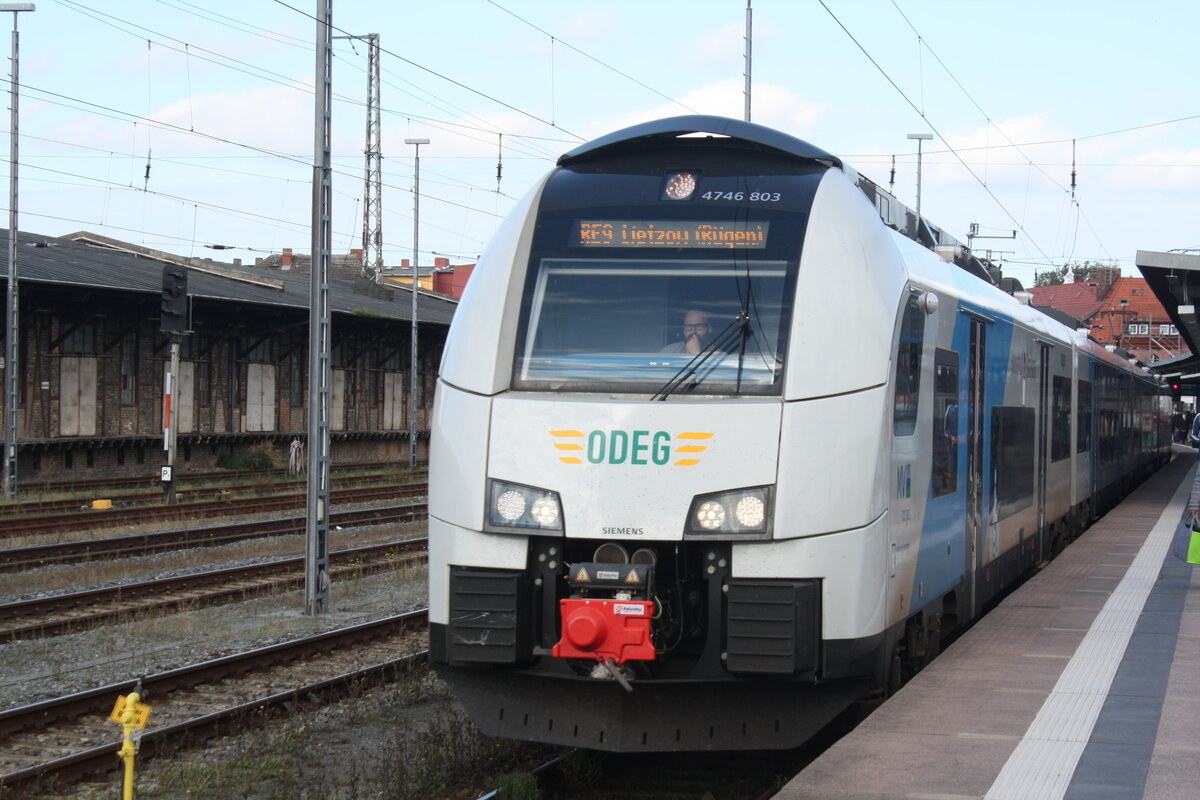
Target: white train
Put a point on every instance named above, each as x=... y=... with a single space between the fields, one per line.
x=634 y=547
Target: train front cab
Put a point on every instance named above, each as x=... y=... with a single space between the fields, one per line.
x=763 y=626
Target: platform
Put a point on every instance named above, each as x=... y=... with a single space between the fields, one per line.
x=1083 y=684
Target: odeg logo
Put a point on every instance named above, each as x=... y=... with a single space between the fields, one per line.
x=630 y=448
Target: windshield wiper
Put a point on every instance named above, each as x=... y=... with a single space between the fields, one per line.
x=735 y=331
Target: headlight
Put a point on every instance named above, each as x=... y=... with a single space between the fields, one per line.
x=511 y=505
x=742 y=511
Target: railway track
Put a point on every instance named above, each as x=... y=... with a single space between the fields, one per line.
x=151 y=480
x=50 y=616
x=92 y=520
x=140 y=544
x=54 y=742
x=149 y=497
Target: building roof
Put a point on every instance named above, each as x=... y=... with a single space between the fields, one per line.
x=1133 y=297
x=1080 y=300
x=96 y=262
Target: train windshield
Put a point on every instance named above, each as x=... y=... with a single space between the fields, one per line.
x=666 y=270
x=710 y=325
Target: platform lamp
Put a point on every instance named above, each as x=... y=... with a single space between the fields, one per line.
x=12 y=376
x=920 y=137
x=412 y=361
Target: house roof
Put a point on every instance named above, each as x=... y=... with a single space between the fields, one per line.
x=1133 y=297
x=95 y=262
x=1077 y=299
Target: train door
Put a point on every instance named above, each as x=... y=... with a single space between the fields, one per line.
x=1043 y=440
x=976 y=371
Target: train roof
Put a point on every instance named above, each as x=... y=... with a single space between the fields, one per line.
x=662 y=130
x=942 y=276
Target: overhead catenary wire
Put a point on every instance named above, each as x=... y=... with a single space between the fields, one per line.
x=933 y=127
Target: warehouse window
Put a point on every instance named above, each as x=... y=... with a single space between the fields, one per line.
x=79 y=340
x=129 y=364
x=296 y=376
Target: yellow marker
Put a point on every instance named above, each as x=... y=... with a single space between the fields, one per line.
x=132 y=715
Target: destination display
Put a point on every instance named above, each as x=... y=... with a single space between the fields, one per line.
x=670 y=233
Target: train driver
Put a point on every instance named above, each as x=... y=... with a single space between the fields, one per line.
x=696 y=333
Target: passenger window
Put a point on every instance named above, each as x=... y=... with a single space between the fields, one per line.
x=1012 y=453
x=1084 y=416
x=1060 y=420
x=908 y=368
x=944 y=477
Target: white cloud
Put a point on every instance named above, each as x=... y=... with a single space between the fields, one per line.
x=1166 y=170
x=725 y=47
x=771 y=105
x=278 y=118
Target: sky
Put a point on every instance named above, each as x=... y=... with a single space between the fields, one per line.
x=188 y=125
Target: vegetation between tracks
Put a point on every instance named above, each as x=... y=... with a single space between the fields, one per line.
x=403 y=741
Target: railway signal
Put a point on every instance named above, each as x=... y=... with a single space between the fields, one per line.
x=174 y=300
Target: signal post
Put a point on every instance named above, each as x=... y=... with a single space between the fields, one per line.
x=176 y=323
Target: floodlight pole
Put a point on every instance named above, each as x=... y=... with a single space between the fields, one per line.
x=12 y=373
x=920 y=137
x=413 y=360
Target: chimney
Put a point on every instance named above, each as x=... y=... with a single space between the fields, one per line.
x=357 y=252
x=237 y=262
x=441 y=262
x=404 y=263
x=285 y=261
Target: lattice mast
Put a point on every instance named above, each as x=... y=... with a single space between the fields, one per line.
x=372 y=236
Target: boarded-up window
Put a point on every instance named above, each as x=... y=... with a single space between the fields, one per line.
x=393 y=401
x=77 y=401
x=337 y=410
x=260 y=397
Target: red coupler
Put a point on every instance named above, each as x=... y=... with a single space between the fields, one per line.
x=604 y=629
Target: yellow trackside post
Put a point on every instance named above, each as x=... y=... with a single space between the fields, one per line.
x=131 y=714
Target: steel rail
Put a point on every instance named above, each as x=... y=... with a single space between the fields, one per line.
x=33 y=618
x=169 y=738
x=59 y=484
x=151 y=497
x=137 y=544
x=109 y=518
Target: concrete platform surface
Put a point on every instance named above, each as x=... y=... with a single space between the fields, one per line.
x=1083 y=684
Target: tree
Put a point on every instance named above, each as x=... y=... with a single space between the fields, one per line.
x=1085 y=272
x=1051 y=277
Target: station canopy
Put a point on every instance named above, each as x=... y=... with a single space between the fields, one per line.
x=1174 y=277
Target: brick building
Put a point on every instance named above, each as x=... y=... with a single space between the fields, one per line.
x=92 y=361
x=1118 y=311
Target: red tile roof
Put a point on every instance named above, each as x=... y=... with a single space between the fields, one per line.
x=1077 y=299
x=1127 y=300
